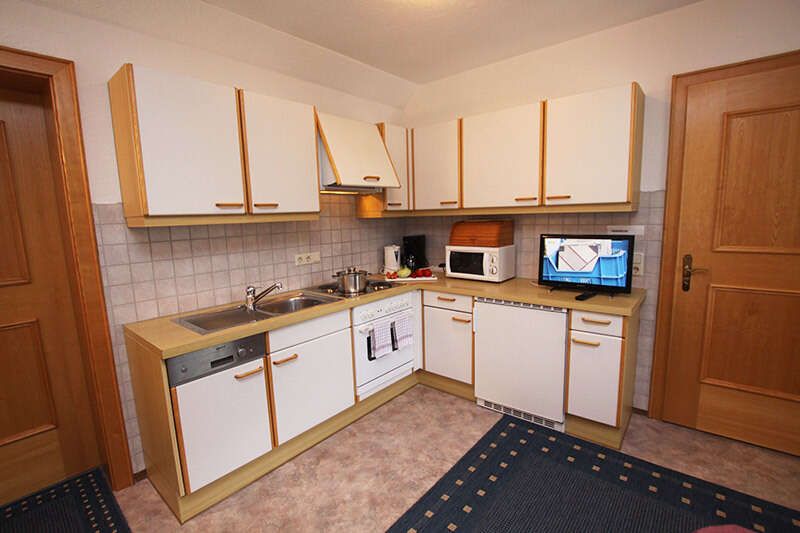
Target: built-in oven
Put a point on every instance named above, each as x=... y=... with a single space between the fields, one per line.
x=481 y=263
x=385 y=341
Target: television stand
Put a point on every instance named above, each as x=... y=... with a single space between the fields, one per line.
x=585 y=296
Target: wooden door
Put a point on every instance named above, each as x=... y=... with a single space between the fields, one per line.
x=396 y=139
x=189 y=134
x=448 y=343
x=436 y=166
x=733 y=364
x=282 y=154
x=589 y=155
x=47 y=430
x=501 y=158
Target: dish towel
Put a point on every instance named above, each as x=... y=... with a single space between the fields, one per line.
x=404 y=331
x=382 y=338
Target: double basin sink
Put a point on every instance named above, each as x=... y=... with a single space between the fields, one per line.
x=280 y=305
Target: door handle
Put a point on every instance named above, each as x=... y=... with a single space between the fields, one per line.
x=249 y=373
x=687 y=272
x=286 y=360
x=371 y=178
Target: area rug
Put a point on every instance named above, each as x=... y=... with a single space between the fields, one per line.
x=81 y=503
x=523 y=477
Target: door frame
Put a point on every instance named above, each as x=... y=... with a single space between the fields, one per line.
x=674 y=186
x=56 y=79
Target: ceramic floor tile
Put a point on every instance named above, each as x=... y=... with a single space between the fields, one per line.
x=365 y=476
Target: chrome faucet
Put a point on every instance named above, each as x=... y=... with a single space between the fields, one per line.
x=251 y=298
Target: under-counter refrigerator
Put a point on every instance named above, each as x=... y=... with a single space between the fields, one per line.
x=520 y=359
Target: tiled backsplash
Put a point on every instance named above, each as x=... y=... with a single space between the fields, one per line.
x=160 y=271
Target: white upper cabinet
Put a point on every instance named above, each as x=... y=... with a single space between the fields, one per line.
x=189 y=134
x=501 y=157
x=435 y=149
x=282 y=154
x=356 y=153
x=593 y=147
x=397 y=140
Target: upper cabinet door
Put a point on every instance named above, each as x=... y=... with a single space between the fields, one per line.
x=189 y=134
x=436 y=166
x=501 y=157
x=282 y=155
x=396 y=139
x=357 y=154
x=593 y=147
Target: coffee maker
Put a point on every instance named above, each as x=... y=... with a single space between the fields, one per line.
x=412 y=253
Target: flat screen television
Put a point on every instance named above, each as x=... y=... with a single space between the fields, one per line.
x=590 y=263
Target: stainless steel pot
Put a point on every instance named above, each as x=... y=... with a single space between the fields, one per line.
x=352 y=280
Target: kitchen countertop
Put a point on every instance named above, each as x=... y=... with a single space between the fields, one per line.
x=171 y=339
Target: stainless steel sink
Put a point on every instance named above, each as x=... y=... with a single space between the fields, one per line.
x=279 y=305
x=216 y=320
x=290 y=303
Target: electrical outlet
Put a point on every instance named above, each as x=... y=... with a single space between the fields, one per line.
x=306 y=258
x=638 y=263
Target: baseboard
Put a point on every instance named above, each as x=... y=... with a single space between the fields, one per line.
x=450 y=386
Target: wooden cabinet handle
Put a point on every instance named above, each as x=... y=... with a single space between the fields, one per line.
x=449 y=202
x=249 y=373
x=274 y=204
x=371 y=178
x=525 y=199
x=282 y=361
x=445 y=299
x=462 y=320
x=559 y=197
x=394 y=204
x=586 y=343
x=224 y=205
x=594 y=321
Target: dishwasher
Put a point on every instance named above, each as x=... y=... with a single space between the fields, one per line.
x=219 y=402
x=520 y=359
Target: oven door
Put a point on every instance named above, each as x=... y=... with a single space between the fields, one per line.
x=467 y=263
x=372 y=371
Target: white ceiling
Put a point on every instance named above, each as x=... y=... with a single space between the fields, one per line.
x=424 y=40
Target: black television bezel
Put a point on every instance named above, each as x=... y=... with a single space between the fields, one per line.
x=587 y=287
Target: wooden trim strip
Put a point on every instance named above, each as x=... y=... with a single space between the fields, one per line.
x=273 y=422
x=247 y=189
x=542 y=148
x=321 y=133
x=460 y=163
x=179 y=433
x=620 y=385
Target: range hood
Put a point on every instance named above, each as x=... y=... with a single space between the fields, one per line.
x=352 y=156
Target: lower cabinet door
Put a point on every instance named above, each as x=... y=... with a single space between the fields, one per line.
x=222 y=422
x=448 y=343
x=312 y=382
x=594 y=373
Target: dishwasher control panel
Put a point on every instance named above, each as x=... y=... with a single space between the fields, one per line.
x=194 y=365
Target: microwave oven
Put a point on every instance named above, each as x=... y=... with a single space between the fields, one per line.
x=481 y=263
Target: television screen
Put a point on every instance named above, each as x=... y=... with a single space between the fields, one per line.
x=596 y=263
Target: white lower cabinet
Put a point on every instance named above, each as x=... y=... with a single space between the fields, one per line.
x=448 y=343
x=594 y=374
x=222 y=422
x=312 y=382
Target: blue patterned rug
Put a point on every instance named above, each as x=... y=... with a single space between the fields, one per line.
x=81 y=503
x=523 y=477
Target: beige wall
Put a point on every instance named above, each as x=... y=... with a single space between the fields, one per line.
x=650 y=51
x=99 y=49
